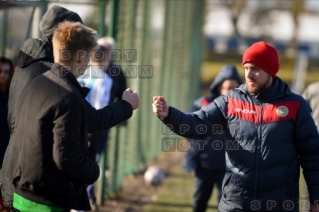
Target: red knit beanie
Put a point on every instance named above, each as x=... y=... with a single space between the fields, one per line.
x=264 y=56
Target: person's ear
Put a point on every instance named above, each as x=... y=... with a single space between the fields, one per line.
x=80 y=55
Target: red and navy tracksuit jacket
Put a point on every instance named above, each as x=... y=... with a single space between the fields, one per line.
x=268 y=137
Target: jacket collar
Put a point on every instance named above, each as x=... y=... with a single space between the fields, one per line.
x=65 y=74
x=276 y=91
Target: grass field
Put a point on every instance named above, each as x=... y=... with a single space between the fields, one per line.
x=175 y=195
x=179 y=197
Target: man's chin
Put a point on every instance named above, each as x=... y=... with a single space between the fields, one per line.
x=252 y=89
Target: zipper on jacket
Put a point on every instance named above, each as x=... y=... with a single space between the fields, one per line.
x=258 y=146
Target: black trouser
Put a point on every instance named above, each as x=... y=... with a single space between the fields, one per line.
x=204 y=184
x=15 y=210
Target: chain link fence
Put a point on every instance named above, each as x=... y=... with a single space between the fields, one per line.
x=167 y=36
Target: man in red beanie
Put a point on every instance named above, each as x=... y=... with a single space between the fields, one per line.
x=261 y=64
x=270 y=134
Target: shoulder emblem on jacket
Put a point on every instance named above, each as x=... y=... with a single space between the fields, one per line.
x=282 y=111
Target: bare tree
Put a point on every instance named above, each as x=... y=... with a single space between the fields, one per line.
x=261 y=16
x=236 y=7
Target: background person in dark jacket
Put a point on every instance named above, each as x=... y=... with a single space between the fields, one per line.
x=107 y=83
x=270 y=133
x=6 y=72
x=113 y=70
x=35 y=58
x=209 y=162
x=50 y=136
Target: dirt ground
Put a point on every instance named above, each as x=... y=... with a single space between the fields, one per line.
x=135 y=194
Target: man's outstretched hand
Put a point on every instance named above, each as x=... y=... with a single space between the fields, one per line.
x=131 y=97
x=160 y=106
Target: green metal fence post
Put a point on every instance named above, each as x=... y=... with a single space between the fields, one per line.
x=4 y=32
x=102 y=17
x=197 y=45
x=129 y=42
x=125 y=40
x=102 y=191
x=112 y=28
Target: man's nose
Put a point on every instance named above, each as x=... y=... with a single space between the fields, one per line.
x=249 y=74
